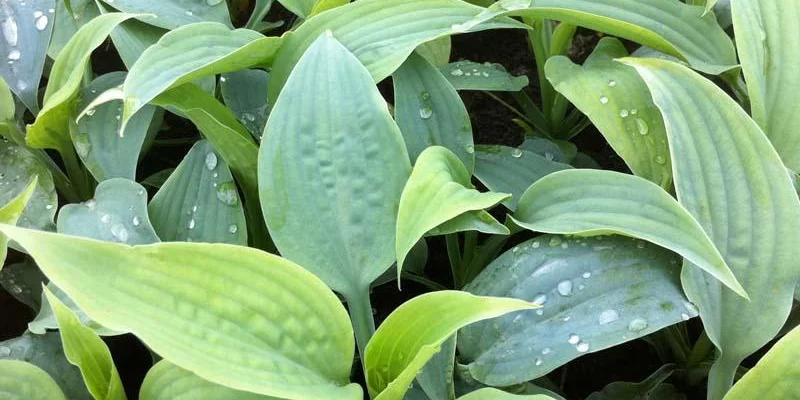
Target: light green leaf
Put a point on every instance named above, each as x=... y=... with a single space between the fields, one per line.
x=400 y=349
x=117 y=213
x=46 y=352
x=727 y=162
x=51 y=128
x=171 y=14
x=27 y=26
x=590 y=202
x=468 y=75
x=652 y=388
x=437 y=51
x=10 y=213
x=23 y=381
x=192 y=52
x=167 y=381
x=776 y=374
x=66 y=24
x=497 y=394
x=767 y=35
x=46 y=318
x=430 y=112
x=199 y=202
x=436 y=377
x=86 y=350
x=380 y=33
x=595 y=293
x=438 y=190
x=672 y=27
x=511 y=170
x=96 y=137
x=23 y=281
x=341 y=171
x=245 y=93
x=17 y=168
x=618 y=103
x=240 y=314
x=480 y=221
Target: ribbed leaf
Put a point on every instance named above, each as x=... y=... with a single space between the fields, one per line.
x=776 y=374
x=199 y=202
x=380 y=33
x=438 y=191
x=437 y=51
x=430 y=112
x=46 y=318
x=167 y=381
x=17 y=168
x=733 y=182
x=596 y=202
x=414 y=332
x=132 y=38
x=233 y=315
x=511 y=170
x=618 y=103
x=468 y=75
x=86 y=350
x=192 y=52
x=595 y=293
x=50 y=130
x=171 y=14
x=245 y=93
x=767 y=35
x=67 y=23
x=23 y=381
x=10 y=213
x=341 y=171
x=497 y=394
x=301 y=8
x=26 y=29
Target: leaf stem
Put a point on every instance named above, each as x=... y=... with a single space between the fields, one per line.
x=363 y=322
x=720 y=377
x=454 y=253
x=700 y=350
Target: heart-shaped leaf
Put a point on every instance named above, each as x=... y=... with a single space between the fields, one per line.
x=167 y=381
x=595 y=293
x=776 y=374
x=469 y=75
x=172 y=14
x=199 y=202
x=23 y=381
x=591 y=202
x=241 y=314
x=727 y=161
x=17 y=168
x=400 y=349
x=430 y=112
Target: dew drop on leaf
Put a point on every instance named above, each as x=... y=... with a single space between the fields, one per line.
x=582 y=347
x=540 y=299
x=612 y=83
x=603 y=100
x=573 y=339
x=642 y=126
x=586 y=275
x=14 y=55
x=226 y=193
x=516 y=153
x=425 y=111
x=637 y=325
x=211 y=161
x=105 y=218
x=10 y=30
x=546 y=351
x=233 y=228
x=119 y=232
x=607 y=317
x=660 y=160
x=624 y=113
x=565 y=288
x=41 y=22
x=457 y=72
x=136 y=221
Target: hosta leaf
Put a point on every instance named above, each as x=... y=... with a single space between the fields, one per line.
x=167 y=381
x=511 y=170
x=497 y=394
x=776 y=374
x=727 y=161
x=46 y=318
x=117 y=213
x=96 y=137
x=17 y=168
x=192 y=52
x=380 y=33
x=436 y=377
x=199 y=202
x=595 y=202
x=132 y=38
x=651 y=388
x=595 y=293
x=67 y=23
x=468 y=75
x=767 y=38
x=545 y=148
x=618 y=103
x=401 y=348
x=86 y=350
x=50 y=130
x=240 y=314
x=245 y=93
x=437 y=51
x=23 y=281
x=10 y=213
x=672 y=27
x=23 y=381
x=301 y=8
x=438 y=190
x=46 y=352
x=480 y=221
x=341 y=171
x=26 y=29
x=430 y=112
x=171 y=14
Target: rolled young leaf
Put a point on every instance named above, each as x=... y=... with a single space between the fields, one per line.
x=23 y=381
x=233 y=315
x=734 y=184
x=776 y=374
x=414 y=332
x=167 y=381
x=596 y=202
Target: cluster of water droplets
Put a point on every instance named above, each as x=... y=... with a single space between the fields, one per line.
x=642 y=128
x=10 y=28
x=226 y=191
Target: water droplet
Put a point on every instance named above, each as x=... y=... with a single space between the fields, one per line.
x=660 y=160
x=226 y=193
x=516 y=153
x=14 y=55
x=565 y=288
x=540 y=299
x=457 y=72
x=485 y=74
x=119 y=232
x=538 y=361
x=546 y=351
x=517 y=319
x=425 y=111
x=49 y=207
x=249 y=117
x=685 y=316
x=549 y=156
x=603 y=100
x=212 y=3
x=223 y=79
x=573 y=339
x=691 y=308
x=91 y=112
x=607 y=317
x=105 y=218
x=189 y=13
x=16 y=289
x=233 y=228
x=612 y=83
x=5 y=351
x=211 y=161
x=136 y=221
x=582 y=347
x=458 y=27
x=535 y=245
x=10 y=30
x=91 y=204
x=539 y=312
x=642 y=126
x=470 y=149
x=555 y=241
x=634 y=111
x=425 y=96
x=41 y=22
x=640 y=244
x=586 y=275
x=191 y=224
x=624 y=113
x=637 y=324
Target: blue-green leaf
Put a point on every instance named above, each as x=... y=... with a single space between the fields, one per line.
x=171 y=14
